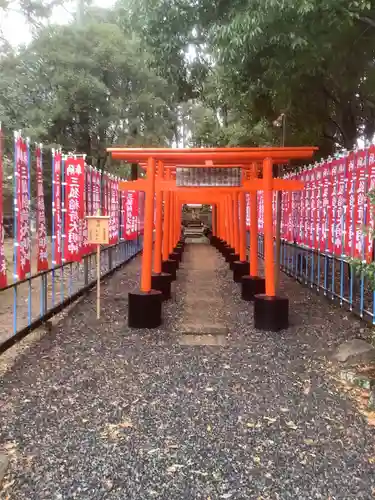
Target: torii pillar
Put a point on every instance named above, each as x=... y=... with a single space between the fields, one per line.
x=145 y=304
x=160 y=280
x=241 y=267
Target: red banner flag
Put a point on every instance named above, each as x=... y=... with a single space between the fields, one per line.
x=370 y=216
x=85 y=232
x=359 y=204
x=3 y=271
x=113 y=211
x=23 y=210
x=42 y=264
x=75 y=179
x=351 y=173
x=131 y=215
x=116 y=228
x=247 y=211
x=56 y=211
x=340 y=186
x=141 y=200
x=260 y=208
x=288 y=236
x=326 y=207
x=96 y=186
x=105 y=207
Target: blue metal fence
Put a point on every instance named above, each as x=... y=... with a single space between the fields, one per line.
x=328 y=275
x=29 y=303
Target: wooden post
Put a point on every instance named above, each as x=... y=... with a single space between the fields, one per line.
x=231 y=222
x=167 y=202
x=148 y=229
x=213 y=220
x=98 y=234
x=268 y=228
x=226 y=220
x=98 y=281
x=222 y=218
x=242 y=228
x=171 y=223
x=236 y=224
x=159 y=223
x=253 y=234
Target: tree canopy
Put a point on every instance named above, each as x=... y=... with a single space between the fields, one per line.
x=189 y=72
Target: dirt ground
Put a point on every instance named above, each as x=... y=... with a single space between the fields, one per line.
x=97 y=411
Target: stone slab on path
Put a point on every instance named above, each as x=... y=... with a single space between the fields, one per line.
x=4 y=461
x=202 y=306
x=355 y=351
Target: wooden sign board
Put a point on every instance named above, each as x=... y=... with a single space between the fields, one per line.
x=98 y=229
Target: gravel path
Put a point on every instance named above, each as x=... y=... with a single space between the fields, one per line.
x=95 y=411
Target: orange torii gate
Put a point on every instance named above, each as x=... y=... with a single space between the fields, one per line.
x=229 y=225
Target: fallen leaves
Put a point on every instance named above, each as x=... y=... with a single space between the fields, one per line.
x=114 y=431
x=270 y=420
x=174 y=467
x=6 y=485
x=291 y=425
x=307 y=387
x=309 y=442
x=359 y=394
x=370 y=416
x=10 y=447
x=254 y=425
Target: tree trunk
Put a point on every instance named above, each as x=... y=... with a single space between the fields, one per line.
x=134 y=172
x=349 y=127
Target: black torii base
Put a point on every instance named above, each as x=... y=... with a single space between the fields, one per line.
x=144 y=309
x=232 y=258
x=179 y=251
x=177 y=257
x=271 y=314
x=226 y=251
x=251 y=286
x=170 y=267
x=162 y=282
x=240 y=268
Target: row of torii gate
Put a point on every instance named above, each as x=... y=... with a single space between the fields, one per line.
x=162 y=252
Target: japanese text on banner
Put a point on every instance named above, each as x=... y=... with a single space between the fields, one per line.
x=351 y=174
x=41 y=214
x=56 y=210
x=74 y=178
x=3 y=271
x=370 y=216
x=360 y=205
x=131 y=212
x=86 y=247
x=23 y=210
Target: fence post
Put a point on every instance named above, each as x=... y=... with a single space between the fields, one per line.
x=44 y=296
x=86 y=269
x=110 y=258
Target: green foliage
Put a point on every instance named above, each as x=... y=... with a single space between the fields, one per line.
x=86 y=87
x=311 y=60
x=154 y=72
